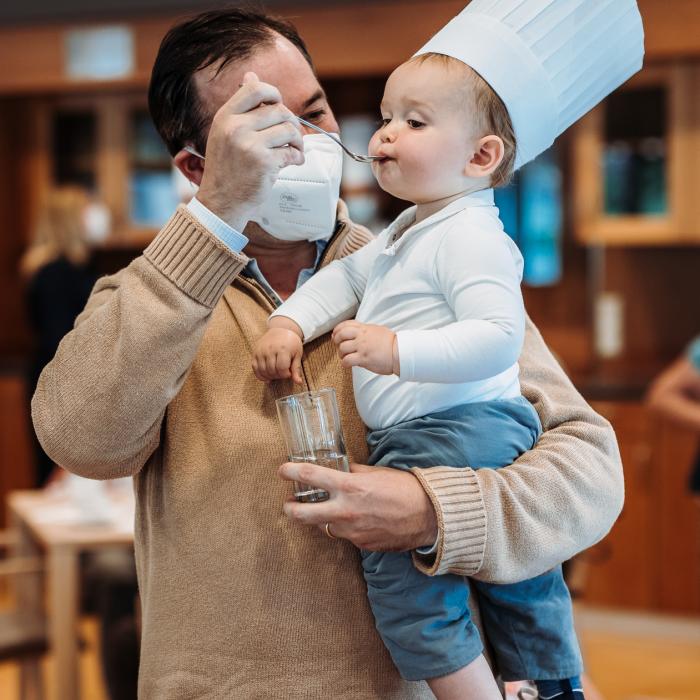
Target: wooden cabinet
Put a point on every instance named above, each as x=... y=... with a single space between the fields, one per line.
x=107 y=143
x=635 y=161
x=651 y=558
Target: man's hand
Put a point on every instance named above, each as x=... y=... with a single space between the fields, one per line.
x=277 y=354
x=376 y=508
x=366 y=345
x=252 y=136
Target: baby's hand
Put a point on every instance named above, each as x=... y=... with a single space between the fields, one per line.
x=367 y=345
x=277 y=354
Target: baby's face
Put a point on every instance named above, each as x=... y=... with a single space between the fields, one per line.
x=428 y=134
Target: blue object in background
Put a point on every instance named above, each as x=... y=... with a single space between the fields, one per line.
x=541 y=220
x=506 y=199
x=152 y=192
x=153 y=197
x=531 y=211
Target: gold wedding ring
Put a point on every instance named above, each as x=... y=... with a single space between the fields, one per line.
x=328 y=531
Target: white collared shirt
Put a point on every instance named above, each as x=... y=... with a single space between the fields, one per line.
x=449 y=287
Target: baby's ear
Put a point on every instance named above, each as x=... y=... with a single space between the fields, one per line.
x=487 y=157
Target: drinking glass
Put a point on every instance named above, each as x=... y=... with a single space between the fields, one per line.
x=312 y=433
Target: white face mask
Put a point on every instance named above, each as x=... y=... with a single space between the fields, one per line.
x=303 y=201
x=97 y=220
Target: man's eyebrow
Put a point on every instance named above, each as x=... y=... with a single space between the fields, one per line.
x=318 y=95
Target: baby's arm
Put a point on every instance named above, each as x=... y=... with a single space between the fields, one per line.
x=331 y=295
x=479 y=276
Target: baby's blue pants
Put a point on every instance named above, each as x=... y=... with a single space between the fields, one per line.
x=425 y=621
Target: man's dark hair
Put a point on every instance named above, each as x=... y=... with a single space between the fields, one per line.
x=219 y=36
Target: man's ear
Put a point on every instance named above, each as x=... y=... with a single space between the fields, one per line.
x=487 y=157
x=189 y=165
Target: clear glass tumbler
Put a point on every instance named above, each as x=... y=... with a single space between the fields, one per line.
x=312 y=433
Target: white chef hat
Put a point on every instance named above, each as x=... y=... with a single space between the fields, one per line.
x=550 y=61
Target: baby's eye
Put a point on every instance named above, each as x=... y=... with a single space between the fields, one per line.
x=383 y=121
x=414 y=123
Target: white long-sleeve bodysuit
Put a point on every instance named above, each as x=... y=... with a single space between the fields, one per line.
x=449 y=287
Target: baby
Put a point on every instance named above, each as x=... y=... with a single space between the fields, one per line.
x=439 y=326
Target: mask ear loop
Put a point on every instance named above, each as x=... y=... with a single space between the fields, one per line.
x=193 y=151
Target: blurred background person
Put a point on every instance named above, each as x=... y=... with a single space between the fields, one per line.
x=675 y=394
x=59 y=275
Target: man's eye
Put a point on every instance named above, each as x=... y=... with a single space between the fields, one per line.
x=315 y=116
x=414 y=123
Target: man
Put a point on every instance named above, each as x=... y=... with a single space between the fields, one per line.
x=155 y=381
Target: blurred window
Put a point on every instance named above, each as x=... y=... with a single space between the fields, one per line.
x=634 y=157
x=152 y=193
x=74 y=145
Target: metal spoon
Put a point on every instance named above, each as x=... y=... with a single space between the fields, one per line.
x=354 y=156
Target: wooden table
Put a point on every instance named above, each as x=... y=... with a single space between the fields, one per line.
x=61 y=542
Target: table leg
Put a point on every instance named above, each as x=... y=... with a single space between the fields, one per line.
x=63 y=571
x=26 y=588
x=31 y=686
x=27 y=592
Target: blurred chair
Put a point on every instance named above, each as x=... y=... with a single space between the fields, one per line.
x=23 y=636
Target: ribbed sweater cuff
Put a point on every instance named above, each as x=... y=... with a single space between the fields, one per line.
x=461 y=515
x=194 y=259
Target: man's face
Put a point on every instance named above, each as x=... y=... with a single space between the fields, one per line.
x=280 y=64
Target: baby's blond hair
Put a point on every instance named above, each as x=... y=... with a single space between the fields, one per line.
x=494 y=117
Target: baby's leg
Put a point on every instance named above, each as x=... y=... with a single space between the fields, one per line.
x=472 y=682
x=424 y=621
x=530 y=624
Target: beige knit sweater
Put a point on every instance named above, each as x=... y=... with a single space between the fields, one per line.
x=238 y=602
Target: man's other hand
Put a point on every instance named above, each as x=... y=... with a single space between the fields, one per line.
x=376 y=508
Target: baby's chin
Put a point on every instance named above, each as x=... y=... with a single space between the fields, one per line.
x=395 y=189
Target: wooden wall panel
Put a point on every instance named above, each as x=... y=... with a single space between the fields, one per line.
x=651 y=558
x=678 y=520
x=622 y=568
x=16 y=189
x=354 y=39
x=16 y=454
x=660 y=289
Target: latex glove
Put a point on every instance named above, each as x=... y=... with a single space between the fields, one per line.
x=252 y=137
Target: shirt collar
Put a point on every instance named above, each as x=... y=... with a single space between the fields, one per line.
x=404 y=225
x=252 y=270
